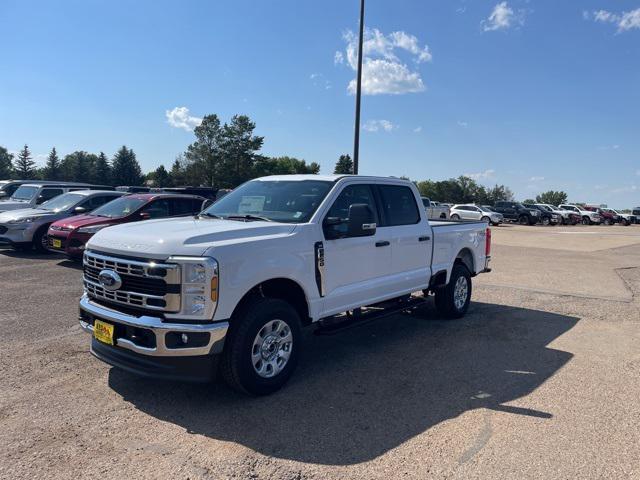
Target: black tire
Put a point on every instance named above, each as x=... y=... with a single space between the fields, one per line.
x=586 y=221
x=236 y=365
x=608 y=221
x=495 y=224
x=445 y=303
x=546 y=221
x=40 y=239
x=523 y=220
x=485 y=219
x=455 y=217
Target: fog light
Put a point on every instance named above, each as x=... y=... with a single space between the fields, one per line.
x=185 y=338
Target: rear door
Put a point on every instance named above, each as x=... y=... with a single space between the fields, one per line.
x=355 y=270
x=411 y=238
x=47 y=194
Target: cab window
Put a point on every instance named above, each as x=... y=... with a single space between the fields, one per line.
x=398 y=205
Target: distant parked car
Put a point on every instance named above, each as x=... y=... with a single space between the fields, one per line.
x=625 y=218
x=206 y=192
x=546 y=217
x=27 y=228
x=133 y=189
x=434 y=210
x=475 y=212
x=8 y=187
x=608 y=218
x=69 y=236
x=28 y=195
x=567 y=217
x=588 y=217
x=516 y=212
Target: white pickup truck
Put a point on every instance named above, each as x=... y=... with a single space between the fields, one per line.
x=229 y=290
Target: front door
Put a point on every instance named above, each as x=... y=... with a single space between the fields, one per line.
x=355 y=268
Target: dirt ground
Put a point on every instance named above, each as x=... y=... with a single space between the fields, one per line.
x=540 y=380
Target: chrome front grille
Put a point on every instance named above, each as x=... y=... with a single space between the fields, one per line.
x=144 y=284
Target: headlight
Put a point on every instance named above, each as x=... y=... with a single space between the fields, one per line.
x=93 y=228
x=199 y=286
x=17 y=221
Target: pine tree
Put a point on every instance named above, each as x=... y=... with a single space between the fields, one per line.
x=160 y=177
x=344 y=165
x=52 y=168
x=6 y=167
x=25 y=167
x=103 y=170
x=126 y=169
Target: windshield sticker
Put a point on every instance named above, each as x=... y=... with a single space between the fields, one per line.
x=251 y=204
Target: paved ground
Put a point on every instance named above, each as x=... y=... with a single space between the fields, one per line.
x=531 y=384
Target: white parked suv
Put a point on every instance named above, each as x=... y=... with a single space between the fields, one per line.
x=475 y=212
x=229 y=290
x=588 y=217
x=29 y=195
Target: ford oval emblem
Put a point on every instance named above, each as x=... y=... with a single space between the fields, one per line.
x=110 y=280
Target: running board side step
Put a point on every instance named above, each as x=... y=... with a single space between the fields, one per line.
x=339 y=323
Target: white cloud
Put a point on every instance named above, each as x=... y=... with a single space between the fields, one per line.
x=379 y=125
x=179 y=118
x=462 y=124
x=383 y=72
x=536 y=179
x=417 y=129
x=638 y=172
x=487 y=174
x=503 y=17
x=624 y=21
x=319 y=81
x=628 y=189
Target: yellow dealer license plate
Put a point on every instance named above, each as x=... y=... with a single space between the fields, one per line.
x=56 y=243
x=103 y=332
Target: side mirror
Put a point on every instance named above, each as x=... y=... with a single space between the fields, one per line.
x=145 y=215
x=361 y=222
x=79 y=210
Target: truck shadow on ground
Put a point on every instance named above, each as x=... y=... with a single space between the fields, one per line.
x=361 y=393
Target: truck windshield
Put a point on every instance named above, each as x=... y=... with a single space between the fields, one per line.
x=62 y=202
x=284 y=201
x=24 y=193
x=120 y=207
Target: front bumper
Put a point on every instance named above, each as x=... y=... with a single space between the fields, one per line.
x=15 y=234
x=151 y=336
x=71 y=244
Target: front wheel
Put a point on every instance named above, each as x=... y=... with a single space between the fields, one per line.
x=546 y=221
x=455 y=217
x=262 y=346
x=485 y=219
x=523 y=220
x=452 y=300
x=41 y=240
x=586 y=221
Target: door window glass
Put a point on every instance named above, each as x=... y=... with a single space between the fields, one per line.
x=399 y=205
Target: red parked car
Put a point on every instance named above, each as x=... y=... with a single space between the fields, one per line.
x=70 y=235
x=608 y=218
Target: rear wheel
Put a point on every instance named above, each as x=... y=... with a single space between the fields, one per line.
x=523 y=220
x=261 y=349
x=546 y=221
x=452 y=300
x=586 y=221
x=41 y=240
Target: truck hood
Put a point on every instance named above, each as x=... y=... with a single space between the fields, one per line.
x=6 y=205
x=162 y=238
x=25 y=213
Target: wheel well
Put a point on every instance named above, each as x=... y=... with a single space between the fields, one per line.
x=465 y=257
x=284 y=289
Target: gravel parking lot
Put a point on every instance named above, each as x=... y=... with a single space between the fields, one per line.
x=540 y=380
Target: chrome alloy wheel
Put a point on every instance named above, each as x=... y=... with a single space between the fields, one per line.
x=460 y=293
x=272 y=348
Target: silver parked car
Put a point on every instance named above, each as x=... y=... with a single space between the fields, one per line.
x=27 y=228
x=475 y=212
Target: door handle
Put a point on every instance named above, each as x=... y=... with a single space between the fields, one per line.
x=426 y=238
x=383 y=244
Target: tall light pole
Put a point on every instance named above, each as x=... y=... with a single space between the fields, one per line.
x=356 y=137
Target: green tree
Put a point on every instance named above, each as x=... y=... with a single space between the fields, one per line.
x=79 y=166
x=283 y=166
x=240 y=148
x=178 y=172
x=25 y=167
x=499 y=193
x=6 y=165
x=204 y=156
x=52 y=170
x=160 y=177
x=552 y=197
x=125 y=168
x=344 y=165
x=529 y=200
x=102 y=170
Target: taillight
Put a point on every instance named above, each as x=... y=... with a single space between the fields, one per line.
x=487 y=245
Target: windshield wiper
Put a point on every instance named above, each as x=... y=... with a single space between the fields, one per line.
x=248 y=218
x=207 y=214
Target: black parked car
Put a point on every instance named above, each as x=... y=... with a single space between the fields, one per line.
x=516 y=212
x=546 y=217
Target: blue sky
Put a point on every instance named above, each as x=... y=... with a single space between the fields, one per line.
x=538 y=94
